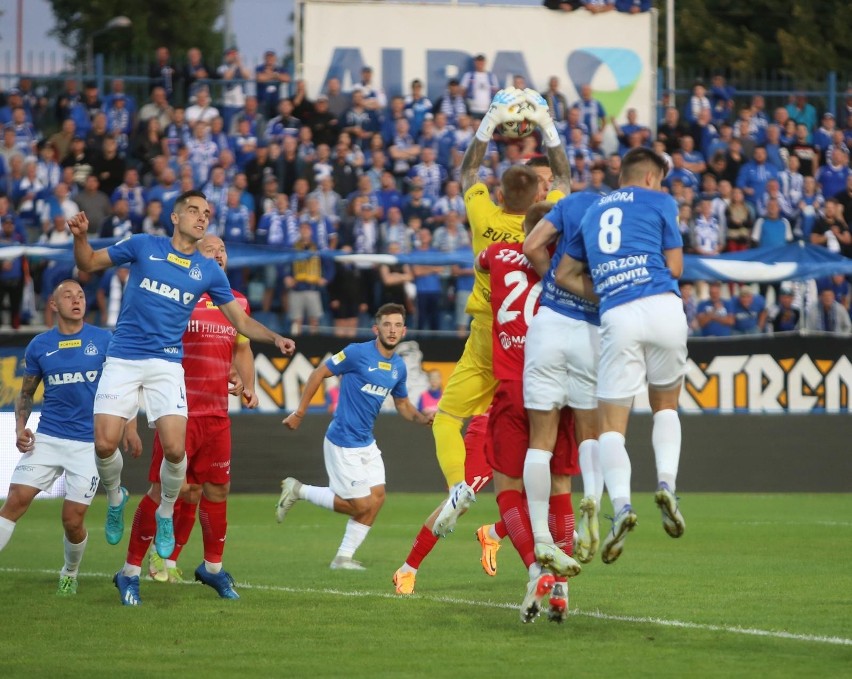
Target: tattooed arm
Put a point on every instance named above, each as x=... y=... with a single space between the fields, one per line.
x=471 y=162
x=25 y=439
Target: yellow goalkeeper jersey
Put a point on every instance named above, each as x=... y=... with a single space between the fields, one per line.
x=490 y=224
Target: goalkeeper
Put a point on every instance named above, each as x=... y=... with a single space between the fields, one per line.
x=471 y=386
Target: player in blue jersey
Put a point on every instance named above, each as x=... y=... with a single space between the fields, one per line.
x=560 y=369
x=634 y=250
x=370 y=371
x=167 y=276
x=68 y=359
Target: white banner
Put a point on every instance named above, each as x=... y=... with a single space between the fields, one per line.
x=615 y=53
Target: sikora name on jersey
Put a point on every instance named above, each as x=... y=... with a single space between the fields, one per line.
x=71 y=378
x=376 y=391
x=166 y=291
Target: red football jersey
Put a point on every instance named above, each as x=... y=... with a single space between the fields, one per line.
x=515 y=289
x=208 y=351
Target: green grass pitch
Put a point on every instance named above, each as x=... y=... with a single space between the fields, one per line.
x=759 y=586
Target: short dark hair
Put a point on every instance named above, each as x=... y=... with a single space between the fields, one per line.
x=185 y=196
x=389 y=310
x=640 y=160
x=538 y=161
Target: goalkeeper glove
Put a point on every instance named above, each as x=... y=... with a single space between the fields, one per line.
x=540 y=115
x=499 y=113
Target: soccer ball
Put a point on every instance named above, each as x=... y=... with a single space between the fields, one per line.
x=519 y=129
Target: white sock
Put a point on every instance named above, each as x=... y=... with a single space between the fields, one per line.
x=352 y=538
x=321 y=496
x=599 y=477
x=534 y=570
x=73 y=556
x=172 y=476
x=6 y=529
x=616 y=468
x=537 y=485
x=665 y=437
x=492 y=533
x=405 y=568
x=588 y=468
x=130 y=570
x=170 y=563
x=109 y=469
x=212 y=567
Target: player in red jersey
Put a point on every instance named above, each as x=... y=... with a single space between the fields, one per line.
x=211 y=348
x=477 y=473
x=515 y=288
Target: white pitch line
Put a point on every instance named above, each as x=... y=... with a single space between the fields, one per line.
x=599 y=615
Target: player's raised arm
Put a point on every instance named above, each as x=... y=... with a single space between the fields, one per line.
x=496 y=115
x=86 y=258
x=556 y=156
x=315 y=379
x=570 y=274
x=254 y=330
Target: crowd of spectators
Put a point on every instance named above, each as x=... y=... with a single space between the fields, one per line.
x=370 y=174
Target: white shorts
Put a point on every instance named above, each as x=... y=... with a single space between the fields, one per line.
x=51 y=457
x=643 y=343
x=560 y=362
x=160 y=383
x=352 y=472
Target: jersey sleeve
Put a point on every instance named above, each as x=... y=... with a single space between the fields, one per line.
x=574 y=246
x=484 y=259
x=126 y=250
x=31 y=363
x=400 y=389
x=344 y=361
x=220 y=288
x=555 y=218
x=672 y=237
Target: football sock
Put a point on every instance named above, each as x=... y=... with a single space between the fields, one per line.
x=615 y=464
x=449 y=447
x=321 y=496
x=423 y=544
x=109 y=469
x=214 y=525
x=6 y=529
x=172 y=476
x=184 y=519
x=352 y=538
x=130 y=570
x=561 y=522
x=497 y=530
x=511 y=504
x=537 y=486
x=588 y=467
x=665 y=437
x=73 y=556
x=212 y=566
x=143 y=531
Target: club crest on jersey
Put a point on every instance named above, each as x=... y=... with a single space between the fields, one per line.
x=195 y=273
x=91 y=350
x=395 y=373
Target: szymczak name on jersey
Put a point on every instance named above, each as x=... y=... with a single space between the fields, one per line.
x=511 y=256
x=72 y=378
x=166 y=291
x=629 y=269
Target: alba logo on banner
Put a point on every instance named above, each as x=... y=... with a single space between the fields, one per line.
x=759 y=383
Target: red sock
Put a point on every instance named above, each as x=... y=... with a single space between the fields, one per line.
x=214 y=525
x=560 y=520
x=500 y=529
x=143 y=531
x=517 y=523
x=184 y=522
x=423 y=544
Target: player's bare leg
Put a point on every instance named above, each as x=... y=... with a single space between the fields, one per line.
x=109 y=462
x=615 y=464
x=666 y=440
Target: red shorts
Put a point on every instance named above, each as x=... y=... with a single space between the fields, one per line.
x=477 y=470
x=509 y=431
x=208 y=451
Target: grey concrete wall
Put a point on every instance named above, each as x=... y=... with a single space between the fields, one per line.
x=733 y=453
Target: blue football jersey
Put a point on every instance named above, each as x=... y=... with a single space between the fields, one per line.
x=159 y=297
x=69 y=367
x=566 y=217
x=367 y=378
x=622 y=237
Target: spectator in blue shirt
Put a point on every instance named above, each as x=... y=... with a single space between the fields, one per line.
x=715 y=316
x=749 y=312
x=272 y=83
x=803 y=112
x=427 y=280
x=773 y=230
x=592 y=112
x=754 y=175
